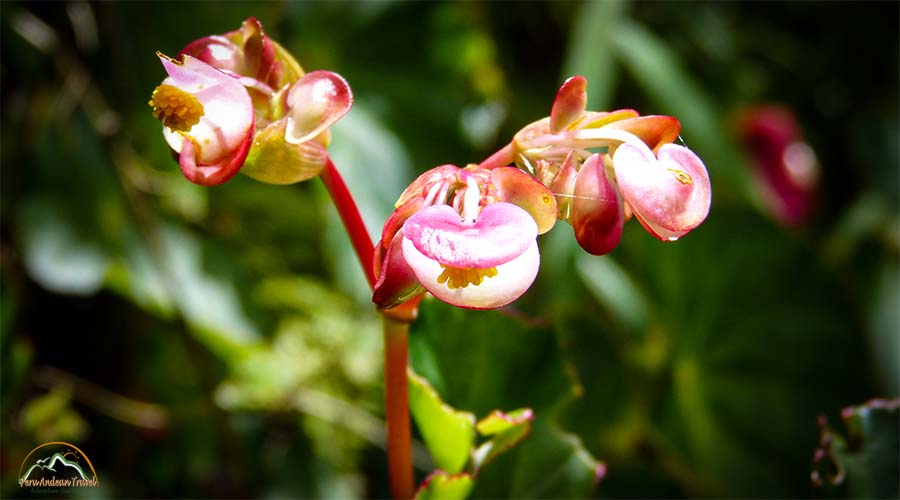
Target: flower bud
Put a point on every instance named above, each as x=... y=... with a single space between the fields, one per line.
x=597 y=209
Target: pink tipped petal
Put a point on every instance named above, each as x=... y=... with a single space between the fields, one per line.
x=512 y=280
x=597 y=209
x=211 y=175
x=398 y=218
x=501 y=233
x=396 y=282
x=670 y=195
x=569 y=104
x=255 y=48
x=228 y=115
x=217 y=51
x=517 y=187
x=654 y=130
x=315 y=102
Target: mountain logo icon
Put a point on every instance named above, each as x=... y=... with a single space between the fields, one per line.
x=57 y=465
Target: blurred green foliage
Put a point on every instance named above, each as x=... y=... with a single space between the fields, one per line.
x=220 y=342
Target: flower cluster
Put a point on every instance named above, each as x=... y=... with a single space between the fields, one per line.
x=467 y=236
x=239 y=101
x=638 y=171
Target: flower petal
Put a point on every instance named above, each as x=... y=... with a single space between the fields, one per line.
x=512 y=280
x=276 y=161
x=670 y=195
x=396 y=282
x=228 y=115
x=597 y=209
x=217 y=51
x=211 y=175
x=654 y=130
x=569 y=103
x=520 y=189
x=501 y=233
x=315 y=102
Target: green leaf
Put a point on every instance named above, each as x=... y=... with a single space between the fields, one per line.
x=490 y=359
x=507 y=429
x=448 y=433
x=863 y=463
x=555 y=464
x=440 y=485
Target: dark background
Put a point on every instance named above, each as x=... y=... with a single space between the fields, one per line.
x=219 y=342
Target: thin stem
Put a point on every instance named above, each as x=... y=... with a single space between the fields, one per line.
x=399 y=449
x=502 y=158
x=353 y=222
x=396 y=335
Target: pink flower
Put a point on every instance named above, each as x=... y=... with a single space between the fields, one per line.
x=785 y=167
x=481 y=263
x=207 y=117
x=669 y=193
x=266 y=117
x=467 y=236
x=245 y=52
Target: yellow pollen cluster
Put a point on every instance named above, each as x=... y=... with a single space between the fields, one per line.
x=177 y=109
x=682 y=176
x=461 y=277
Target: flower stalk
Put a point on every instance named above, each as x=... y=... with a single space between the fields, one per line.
x=350 y=216
x=396 y=399
x=396 y=341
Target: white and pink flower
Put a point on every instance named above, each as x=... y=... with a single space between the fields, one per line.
x=207 y=118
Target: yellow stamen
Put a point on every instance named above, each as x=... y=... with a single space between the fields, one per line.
x=461 y=277
x=177 y=109
x=682 y=176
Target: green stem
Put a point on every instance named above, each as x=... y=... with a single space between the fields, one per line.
x=502 y=158
x=396 y=401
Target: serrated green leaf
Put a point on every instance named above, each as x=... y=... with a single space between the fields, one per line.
x=443 y=486
x=499 y=421
x=507 y=429
x=863 y=463
x=448 y=433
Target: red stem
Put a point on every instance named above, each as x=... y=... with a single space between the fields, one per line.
x=353 y=222
x=502 y=158
x=396 y=334
x=399 y=445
